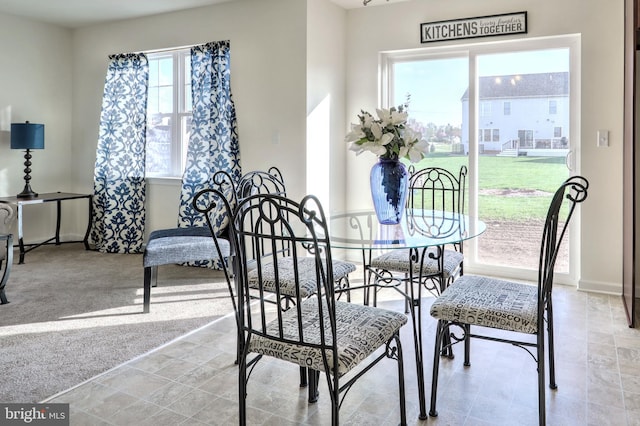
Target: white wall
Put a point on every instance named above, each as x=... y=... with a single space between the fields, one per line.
x=268 y=83
x=600 y=22
x=326 y=67
x=35 y=85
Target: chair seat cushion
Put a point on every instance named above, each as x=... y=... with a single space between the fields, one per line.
x=360 y=330
x=178 y=245
x=286 y=275
x=489 y=302
x=399 y=260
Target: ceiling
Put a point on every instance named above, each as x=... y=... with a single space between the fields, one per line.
x=80 y=13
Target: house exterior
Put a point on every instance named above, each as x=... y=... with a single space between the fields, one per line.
x=524 y=114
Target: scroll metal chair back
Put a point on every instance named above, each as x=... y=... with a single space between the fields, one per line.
x=432 y=192
x=318 y=332
x=434 y=195
x=512 y=306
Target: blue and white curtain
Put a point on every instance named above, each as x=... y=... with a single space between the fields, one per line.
x=213 y=145
x=119 y=184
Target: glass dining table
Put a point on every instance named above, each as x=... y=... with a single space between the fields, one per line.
x=423 y=234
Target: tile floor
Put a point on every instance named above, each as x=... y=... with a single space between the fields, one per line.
x=193 y=380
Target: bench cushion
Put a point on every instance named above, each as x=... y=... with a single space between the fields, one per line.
x=178 y=245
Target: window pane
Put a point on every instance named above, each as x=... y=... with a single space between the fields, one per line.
x=168 y=126
x=153 y=73
x=188 y=104
x=165 y=99
x=515 y=187
x=158 y=152
x=165 y=71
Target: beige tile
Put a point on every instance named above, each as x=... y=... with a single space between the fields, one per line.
x=194 y=380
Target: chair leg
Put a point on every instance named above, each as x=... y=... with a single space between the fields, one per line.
x=314 y=378
x=401 y=391
x=242 y=390
x=303 y=377
x=146 y=300
x=467 y=345
x=542 y=417
x=552 y=363
x=440 y=330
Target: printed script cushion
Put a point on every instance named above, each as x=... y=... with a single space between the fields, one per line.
x=489 y=302
x=360 y=330
x=306 y=272
x=399 y=260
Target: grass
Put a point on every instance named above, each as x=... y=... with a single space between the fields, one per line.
x=518 y=176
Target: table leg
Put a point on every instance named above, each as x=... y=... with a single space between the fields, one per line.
x=90 y=222
x=58 y=211
x=415 y=308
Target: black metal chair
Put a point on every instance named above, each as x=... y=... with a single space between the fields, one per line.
x=7 y=217
x=317 y=332
x=430 y=189
x=270 y=182
x=511 y=306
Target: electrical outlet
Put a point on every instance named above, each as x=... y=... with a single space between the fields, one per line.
x=603 y=138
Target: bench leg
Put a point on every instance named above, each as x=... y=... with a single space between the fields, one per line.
x=150 y=277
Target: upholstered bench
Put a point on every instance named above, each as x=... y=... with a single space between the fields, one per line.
x=7 y=217
x=175 y=246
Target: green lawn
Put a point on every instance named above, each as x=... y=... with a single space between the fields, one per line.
x=539 y=174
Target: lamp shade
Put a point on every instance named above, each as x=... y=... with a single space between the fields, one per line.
x=27 y=136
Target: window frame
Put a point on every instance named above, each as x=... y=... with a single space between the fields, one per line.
x=180 y=114
x=473 y=50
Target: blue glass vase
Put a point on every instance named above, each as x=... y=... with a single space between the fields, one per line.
x=389 y=179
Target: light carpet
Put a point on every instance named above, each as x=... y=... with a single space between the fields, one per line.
x=74 y=314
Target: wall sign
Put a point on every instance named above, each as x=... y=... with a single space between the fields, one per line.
x=483 y=26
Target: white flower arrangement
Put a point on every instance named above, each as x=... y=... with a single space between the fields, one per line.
x=388 y=137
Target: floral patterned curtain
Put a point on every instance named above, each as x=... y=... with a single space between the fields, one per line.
x=213 y=144
x=119 y=184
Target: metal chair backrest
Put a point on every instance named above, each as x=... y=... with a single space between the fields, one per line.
x=438 y=192
x=262 y=224
x=260 y=182
x=564 y=201
x=435 y=188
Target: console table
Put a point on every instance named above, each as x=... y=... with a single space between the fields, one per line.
x=58 y=197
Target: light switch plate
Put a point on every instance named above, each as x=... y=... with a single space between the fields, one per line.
x=603 y=138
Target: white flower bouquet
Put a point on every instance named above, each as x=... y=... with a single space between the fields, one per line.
x=388 y=136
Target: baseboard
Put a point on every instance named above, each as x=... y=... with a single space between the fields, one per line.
x=614 y=289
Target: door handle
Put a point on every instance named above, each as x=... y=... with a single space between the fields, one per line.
x=568 y=160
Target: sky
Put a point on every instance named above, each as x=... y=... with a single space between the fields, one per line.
x=436 y=85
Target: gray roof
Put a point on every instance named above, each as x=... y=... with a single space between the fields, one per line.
x=523 y=86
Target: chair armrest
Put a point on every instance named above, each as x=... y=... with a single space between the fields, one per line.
x=7 y=217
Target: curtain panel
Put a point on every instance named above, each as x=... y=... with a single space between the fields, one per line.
x=213 y=143
x=119 y=181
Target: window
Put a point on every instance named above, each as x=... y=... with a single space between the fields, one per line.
x=485 y=109
x=458 y=85
x=557 y=132
x=168 y=113
x=489 y=135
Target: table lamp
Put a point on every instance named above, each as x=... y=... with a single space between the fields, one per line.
x=27 y=136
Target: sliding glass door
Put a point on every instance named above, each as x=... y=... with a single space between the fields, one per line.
x=507 y=112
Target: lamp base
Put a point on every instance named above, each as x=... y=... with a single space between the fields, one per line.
x=27 y=192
